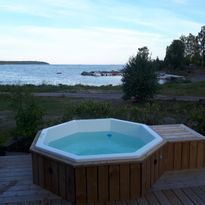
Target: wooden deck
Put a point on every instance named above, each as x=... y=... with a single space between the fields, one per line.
x=177 y=132
x=174 y=187
x=179 y=187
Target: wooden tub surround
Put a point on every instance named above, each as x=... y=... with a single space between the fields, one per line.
x=108 y=181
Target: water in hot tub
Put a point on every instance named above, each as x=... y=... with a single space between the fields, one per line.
x=94 y=143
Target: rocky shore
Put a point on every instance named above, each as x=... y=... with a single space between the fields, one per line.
x=102 y=73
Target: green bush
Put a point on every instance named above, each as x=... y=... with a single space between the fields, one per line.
x=87 y=110
x=148 y=114
x=139 y=78
x=196 y=119
x=28 y=114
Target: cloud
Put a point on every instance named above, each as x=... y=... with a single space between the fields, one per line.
x=47 y=8
x=87 y=31
x=88 y=45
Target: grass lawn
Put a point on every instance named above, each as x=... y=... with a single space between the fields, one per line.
x=171 y=89
x=189 y=89
x=59 y=88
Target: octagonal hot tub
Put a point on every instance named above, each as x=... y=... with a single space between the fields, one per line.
x=99 y=139
x=88 y=161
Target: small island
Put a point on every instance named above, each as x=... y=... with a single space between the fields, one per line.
x=23 y=63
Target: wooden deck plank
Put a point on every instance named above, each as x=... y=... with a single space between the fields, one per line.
x=172 y=197
x=183 y=197
x=199 y=192
x=142 y=201
x=161 y=198
x=197 y=200
x=151 y=198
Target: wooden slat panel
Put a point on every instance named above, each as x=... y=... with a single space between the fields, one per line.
x=114 y=182
x=204 y=154
x=54 y=177
x=193 y=155
x=177 y=155
x=103 y=184
x=152 y=179
x=161 y=161
x=70 y=183
x=124 y=181
x=35 y=168
x=41 y=171
x=80 y=185
x=165 y=157
x=143 y=177
x=62 y=180
x=200 y=154
x=47 y=172
x=148 y=173
x=156 y=165
x=170 y=156
x=92 y=189
x=185 y=155
x=51 y=175
x=135 y=180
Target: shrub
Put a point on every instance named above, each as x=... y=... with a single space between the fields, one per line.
x=196 y=119
x=87 y=109
x=148 y=114
x=28 y=114
x=139 y=78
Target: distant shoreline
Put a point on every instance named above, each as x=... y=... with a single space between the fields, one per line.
x=23 y=63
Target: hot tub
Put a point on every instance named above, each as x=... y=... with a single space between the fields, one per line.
x=98 y=160
x=99 y=139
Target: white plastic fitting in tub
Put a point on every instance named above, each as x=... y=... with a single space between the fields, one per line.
x=97 y=125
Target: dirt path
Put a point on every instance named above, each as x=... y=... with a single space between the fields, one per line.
x=117 y=96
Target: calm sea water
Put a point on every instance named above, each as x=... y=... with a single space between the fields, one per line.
x=93 y=143
x=49 y=74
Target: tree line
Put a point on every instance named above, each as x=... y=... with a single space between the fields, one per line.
x=187 y=51
x=139 y=79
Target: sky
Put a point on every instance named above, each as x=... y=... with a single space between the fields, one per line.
x=93 y=31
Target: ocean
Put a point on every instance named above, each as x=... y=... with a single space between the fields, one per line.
x=56 y=74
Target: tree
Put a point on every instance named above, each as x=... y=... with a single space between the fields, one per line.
x=158 y=64
x=139 y=78
x=201 y=39
x=191 y=49
x=175 y=55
